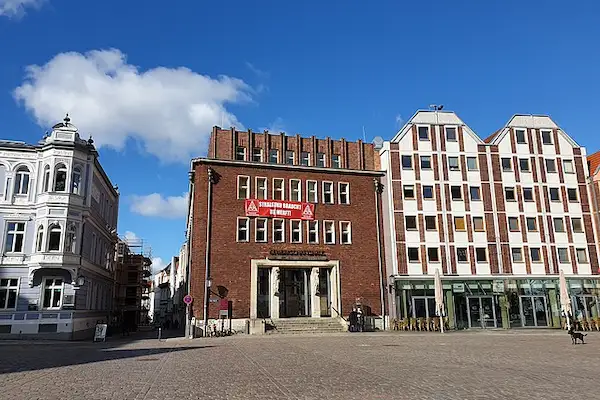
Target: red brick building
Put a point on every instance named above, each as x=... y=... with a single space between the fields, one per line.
x=294 y=226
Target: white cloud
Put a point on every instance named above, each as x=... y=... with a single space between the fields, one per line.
x=130 y=236
x=170 y=111
x=399 y=121
x=155 y=205
x=157 y=264
x=16 y=8
x=258 y=72
x=276 y=126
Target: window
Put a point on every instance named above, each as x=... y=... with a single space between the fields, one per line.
x=411 y=222
x=459 y=223
x=568 y=167
x=536 y=255
x=53 y=288
x=531 y=224
x=311 y=192
x=581 y=257
x=413 y=254
x=428 y=192
x=478 y=224
x=257 y=154
x=472 y=163
x=577 y=225
x=93 y=247
x=240 y=153
x=289 y=157
x=274 y=156
x=517 y=254
x=520 y=134
x=456 y=192
x=481 y=254
x=312 y=228
x=54 y=238
x=524 y=164
x=409 y=191
x=278 y=189
x=559 y=225
x=344 y=193
x=453 y=164
x=71 y=240
x=528 y=194
x=329 y=232
x=305 y=158
x=407 y=162
x=260 y=230
x=506 y=164
x=510 y=194
x=295 y=190
x=475 y=193
x=563 y=255
x=430 y=224
x=15 y=237
x=39 y=244
x=462 y=255
x=550 y=166
x=22 y=180
x=328 y=192
x=554 y=194
x=423 y=132
x=320 y=159
x=76 y=181
x=278 y=231
x=451 y=134
x=8 y=293
x=336 y=161
x=243 y=225
x=546 y=137
x=243 y=187
x=425 y=162
x=433 y=254
x=345 y=232
x=261 y=188
x=513 y=224
x=572 y=195
x=46 y=178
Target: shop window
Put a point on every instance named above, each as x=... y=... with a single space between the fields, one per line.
x=261 y=188
x=240 y=153
x=517 y=254
x=532 y=224
x=243 y=229
x=524 y=164
x=453 y=164
x=433 y=254
x=462 y=254
x=430 y=222
x=312 y=228
x=22 y=180
x=411 y=222
x=563 y=255
x=472 y=163
x=459 y=223
x=328 y=192
x=456 y=192
x=506 y=164
x=8 y=293
x=344 y=193
x=513 y=224
x=295 y=190
x=428 y=192
x=345 y=232
x=536 y=254
x=520 y=135
x=475 y=193
x=481 y=254
x=478 y=224
x=260 y=230
x=550 y=166
x=425 y=162
x=311 y=192
x=554 y=194
x=243 y=187
x=407 y=162
x=278 y=189
x=329 y=232
x=409 y=191
x=559 y=225
x=528 y=194
x=278 y=231
x=413 y=254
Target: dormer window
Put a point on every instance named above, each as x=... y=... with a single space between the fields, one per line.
x=60 y=178
x=22 y=181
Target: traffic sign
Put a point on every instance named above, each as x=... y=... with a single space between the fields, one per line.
x=187 y=299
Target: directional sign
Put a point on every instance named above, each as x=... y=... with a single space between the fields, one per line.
x=187 y=299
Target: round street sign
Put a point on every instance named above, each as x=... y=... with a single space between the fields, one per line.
x=187 y=299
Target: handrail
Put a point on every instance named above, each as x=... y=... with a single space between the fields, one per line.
x=337 y=312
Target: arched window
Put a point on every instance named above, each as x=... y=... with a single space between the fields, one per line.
x=54 y=235
x=46 y=178
x=76 y=181
x=60 y=178
x=71 y=243
x=22 y=181
x=39 y=246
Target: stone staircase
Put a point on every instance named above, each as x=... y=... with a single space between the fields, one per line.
x=307 y=325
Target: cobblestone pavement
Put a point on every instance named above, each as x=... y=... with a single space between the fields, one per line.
x=472 y=365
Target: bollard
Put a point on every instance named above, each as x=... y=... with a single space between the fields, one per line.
x=159 y=333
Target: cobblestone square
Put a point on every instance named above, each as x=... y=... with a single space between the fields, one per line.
x=471 y=365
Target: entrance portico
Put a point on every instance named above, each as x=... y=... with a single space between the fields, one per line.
x=280 y=289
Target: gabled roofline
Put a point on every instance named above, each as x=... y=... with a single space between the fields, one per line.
x=499 y=134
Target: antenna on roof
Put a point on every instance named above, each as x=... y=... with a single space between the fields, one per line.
x=436 y=107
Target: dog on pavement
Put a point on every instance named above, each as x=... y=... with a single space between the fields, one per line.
x=576 y=336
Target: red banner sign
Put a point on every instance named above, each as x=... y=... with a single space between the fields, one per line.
x=279 y=209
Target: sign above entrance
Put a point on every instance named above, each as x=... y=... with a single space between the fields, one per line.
x=279 y=209
x=310 y=255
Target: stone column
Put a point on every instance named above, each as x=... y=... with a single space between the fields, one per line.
x=315 y=299
x=274 y=292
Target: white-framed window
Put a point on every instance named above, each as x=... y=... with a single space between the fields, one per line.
x=260 y=230
x=39 y=244
x=312 y=192
x=531 y=224
x=329 y=232
x=305 y=158
x=478 y=224
x=296 y=231
x=453 y=164
x=423 y=132
x=320 y=159
x=550 y=165
x=52 y=294
x=278 y=230
x=290 y=159
x=343 y=193
x=536 y=254
x=407 y=162
x=60 y=178
x=481 y=254
x=262 y=191
x=433 y=254
x=430 y=222
x=559 y=224
x=577 y=225
x=243 y=183
x=336 y=161
x=243 y=229
x=428 y=192
x=240 y=153
x=46 y=178
x=527 y=194
x=563 y=255
x=328 y=192
x=9 y=290
x=568 y=167
x=408 y=191
x=520 y=136
x=22 y=180
x=475 y=193
x=517 y=254
x=410 y=222
x=54 y=237
x=345 y=232
x=582 y=257
x=257 y=154
x=524 y=164
x=76 y=181
x=459 y=224
x=425 y=162
x=506 y=164
x=274 y=156
x=15 y=237
x=462 y=254
x=71 y=239
x=513 y=224
x=413 y=254
x=546 y=137
x=472 y=164
x=278 y=189
x=312 y=232
x=456 y=192
x=295 y=190
x=572 y=195
x=450 y=134
x=509 y=194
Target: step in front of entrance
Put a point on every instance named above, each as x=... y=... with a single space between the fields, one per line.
x=307 y=325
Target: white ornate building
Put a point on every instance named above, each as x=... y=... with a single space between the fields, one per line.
x=58 y=221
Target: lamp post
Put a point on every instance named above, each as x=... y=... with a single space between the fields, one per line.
x=207 y=304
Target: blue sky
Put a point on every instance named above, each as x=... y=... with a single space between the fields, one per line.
x=148 y=79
